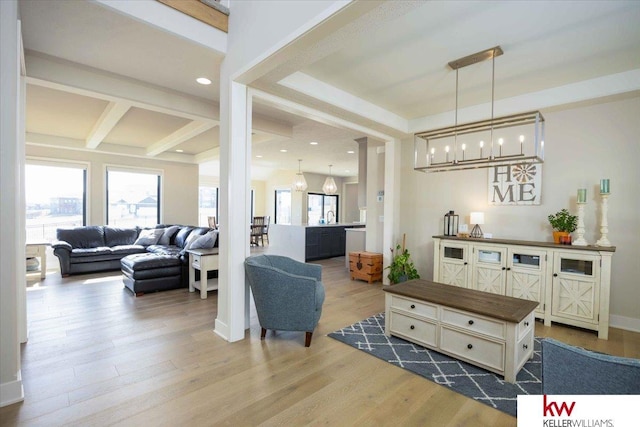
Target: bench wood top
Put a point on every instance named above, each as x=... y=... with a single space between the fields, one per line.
x=484 y=303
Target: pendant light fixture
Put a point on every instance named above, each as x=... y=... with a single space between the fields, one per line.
x=330 y=186
x=299 y=183
x=519 y=137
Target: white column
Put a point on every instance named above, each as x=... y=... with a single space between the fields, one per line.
x=11 y=246
x=235 y=151
x=391 y=228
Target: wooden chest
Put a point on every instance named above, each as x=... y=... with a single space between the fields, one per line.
x=365 y=266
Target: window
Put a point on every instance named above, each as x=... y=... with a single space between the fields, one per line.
x=56 y=196
x=208 y=205
x=322 y=207
x=283 y=207
x=133 y=198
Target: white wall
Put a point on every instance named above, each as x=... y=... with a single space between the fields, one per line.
x=11 y=234
x=582 y=145
x=179 y=196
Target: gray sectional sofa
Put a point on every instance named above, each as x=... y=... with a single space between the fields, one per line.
x=90 y=249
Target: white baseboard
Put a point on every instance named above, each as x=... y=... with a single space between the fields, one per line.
x=626 y=323
x=11 y=392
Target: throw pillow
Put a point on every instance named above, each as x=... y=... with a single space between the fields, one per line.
x=206 y=241
x=168 y=234
x=190 y=239
x=149 y=237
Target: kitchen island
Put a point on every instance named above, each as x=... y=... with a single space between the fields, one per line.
x=308 y=242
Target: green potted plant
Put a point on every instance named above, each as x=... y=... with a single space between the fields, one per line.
x=401 y=268
x=562 y=223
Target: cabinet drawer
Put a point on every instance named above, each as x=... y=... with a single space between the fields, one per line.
x=524 y=348
x=474 y=323
x=525 y=326
x=418 y=331
x=419 y=308
x=196 y=261
x=472 y=348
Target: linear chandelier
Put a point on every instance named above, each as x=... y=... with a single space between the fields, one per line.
x=508 y=140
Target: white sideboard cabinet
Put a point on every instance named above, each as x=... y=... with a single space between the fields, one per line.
x=570 y=283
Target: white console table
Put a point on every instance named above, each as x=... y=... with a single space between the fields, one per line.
x=203 y=260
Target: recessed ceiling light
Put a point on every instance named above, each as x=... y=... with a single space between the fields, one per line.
x=283 y=151
x=179 y=151
x=350 y=152
x=313 y=143
x=203 y=81
x=259 y=156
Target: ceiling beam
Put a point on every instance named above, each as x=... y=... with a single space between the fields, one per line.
x=208 y=155
x=178 y=137
x=55 y=73
x=201 y=11
x=107 y=121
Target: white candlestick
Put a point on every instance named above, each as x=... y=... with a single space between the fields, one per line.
x=580 y=241
x=604 y=226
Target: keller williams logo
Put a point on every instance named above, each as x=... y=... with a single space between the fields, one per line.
x=549 y=408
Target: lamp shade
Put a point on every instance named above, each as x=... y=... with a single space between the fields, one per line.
x=299 y=183
x=476 y=218
x=330 y=186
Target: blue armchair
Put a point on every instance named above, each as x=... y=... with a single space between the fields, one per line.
x=288 y=294
x=574 y=370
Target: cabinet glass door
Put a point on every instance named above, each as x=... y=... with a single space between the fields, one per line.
x=453 y=264
x=574 y=293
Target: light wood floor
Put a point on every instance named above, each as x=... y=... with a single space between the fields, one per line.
x=98 y=356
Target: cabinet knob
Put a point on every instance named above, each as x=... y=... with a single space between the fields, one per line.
x=555 y=274
x=524 y=346
x=508 y=268
x=526 y=323
x=413 y=306
x=466 y=263
x=504 y=268
x=469 y=346
x=412 y=327
x=471 y=322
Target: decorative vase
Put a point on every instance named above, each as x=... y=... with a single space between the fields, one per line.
x=557 y=234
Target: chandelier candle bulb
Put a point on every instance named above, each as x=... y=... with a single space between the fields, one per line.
x=464 y=147
x=500 y=142
x=582 y=195
x=521 y=144
x=604 y=186
x=446 y=153
x=481 y=145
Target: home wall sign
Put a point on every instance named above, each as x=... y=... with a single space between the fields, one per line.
x=515 y=184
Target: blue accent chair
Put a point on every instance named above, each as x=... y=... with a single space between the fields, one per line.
x=288 y=294
x=573 y=370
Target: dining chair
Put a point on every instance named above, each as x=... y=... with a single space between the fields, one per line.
x=265 y=229
x=257 y=230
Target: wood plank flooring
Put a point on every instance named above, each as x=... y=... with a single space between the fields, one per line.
x=98 y=356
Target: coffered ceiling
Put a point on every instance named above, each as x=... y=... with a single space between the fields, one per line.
x=100 y=80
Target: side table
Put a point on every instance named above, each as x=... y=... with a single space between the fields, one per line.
x=39 y=250
x=203 y=260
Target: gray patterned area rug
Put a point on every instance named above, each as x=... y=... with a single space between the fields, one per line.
x=476 y=383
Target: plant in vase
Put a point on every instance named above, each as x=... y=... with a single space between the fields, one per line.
x=562 y=223
x=401 y=268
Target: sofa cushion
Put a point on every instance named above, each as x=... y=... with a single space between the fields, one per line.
x=114 y=236
x=167 y=234
x=146 y=261
x=149 y=236
x=123 y=250
x=88 y=252
x=206 y=241
x=82 y=237
x=164 y=250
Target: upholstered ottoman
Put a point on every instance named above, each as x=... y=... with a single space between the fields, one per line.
x=151 y=272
